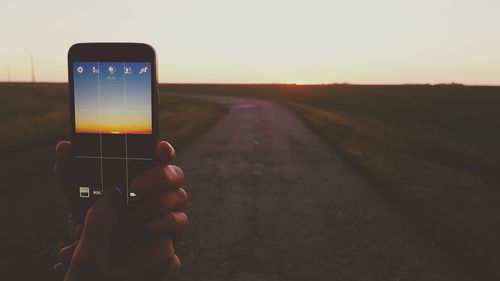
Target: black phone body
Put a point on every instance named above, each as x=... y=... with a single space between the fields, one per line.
x=114 y=115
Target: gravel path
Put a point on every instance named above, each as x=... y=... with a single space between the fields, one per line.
x=270 y=200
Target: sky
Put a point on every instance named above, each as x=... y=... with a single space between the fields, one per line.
x=266 y=41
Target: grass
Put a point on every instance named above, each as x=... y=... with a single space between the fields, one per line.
x=33 y=119
x=431 y=151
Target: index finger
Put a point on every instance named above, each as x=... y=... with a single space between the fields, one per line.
x=160 y=178
x=165 y=153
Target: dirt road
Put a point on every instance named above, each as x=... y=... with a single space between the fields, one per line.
x=270 y=200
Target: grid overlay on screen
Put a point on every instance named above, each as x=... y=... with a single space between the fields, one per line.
x=124 y=132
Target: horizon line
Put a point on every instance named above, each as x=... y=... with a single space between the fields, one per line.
x=280 y=83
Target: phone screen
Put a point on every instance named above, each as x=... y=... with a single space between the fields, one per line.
x=113 y=137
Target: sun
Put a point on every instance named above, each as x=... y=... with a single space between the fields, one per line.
x=295 y=82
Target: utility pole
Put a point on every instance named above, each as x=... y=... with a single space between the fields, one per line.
x=32 y=70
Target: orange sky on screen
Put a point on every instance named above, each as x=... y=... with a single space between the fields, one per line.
x=119 y=132
x=113 y=122
x=113 y=128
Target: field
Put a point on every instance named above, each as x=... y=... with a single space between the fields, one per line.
x=431 y=151
x=33 y=118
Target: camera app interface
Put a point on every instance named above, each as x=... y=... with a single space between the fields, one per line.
x=113 y=140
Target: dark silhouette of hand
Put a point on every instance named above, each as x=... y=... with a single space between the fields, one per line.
x=109 y=244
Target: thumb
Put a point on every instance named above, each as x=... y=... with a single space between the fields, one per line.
x=64 y=176
x=62 y=167
x=101 y=220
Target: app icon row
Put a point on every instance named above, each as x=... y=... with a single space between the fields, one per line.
x=111 y=70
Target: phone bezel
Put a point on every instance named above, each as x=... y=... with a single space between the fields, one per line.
x=115 y=52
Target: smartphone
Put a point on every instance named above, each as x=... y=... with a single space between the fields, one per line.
x=114 y=116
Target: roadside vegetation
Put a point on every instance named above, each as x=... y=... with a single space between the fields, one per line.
x=34 y=117
x=431 y=151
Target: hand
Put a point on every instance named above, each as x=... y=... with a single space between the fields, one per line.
x=155 y=217
x=101 y=255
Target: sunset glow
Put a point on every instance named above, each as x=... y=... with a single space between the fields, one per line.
x=266 y=41
x=134 y=125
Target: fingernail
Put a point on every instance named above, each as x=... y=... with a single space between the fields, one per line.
x=119 y=191
x=111 y=193
x=60 y=146
x=112 y=197
x=57 y=266
x=179 y=171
